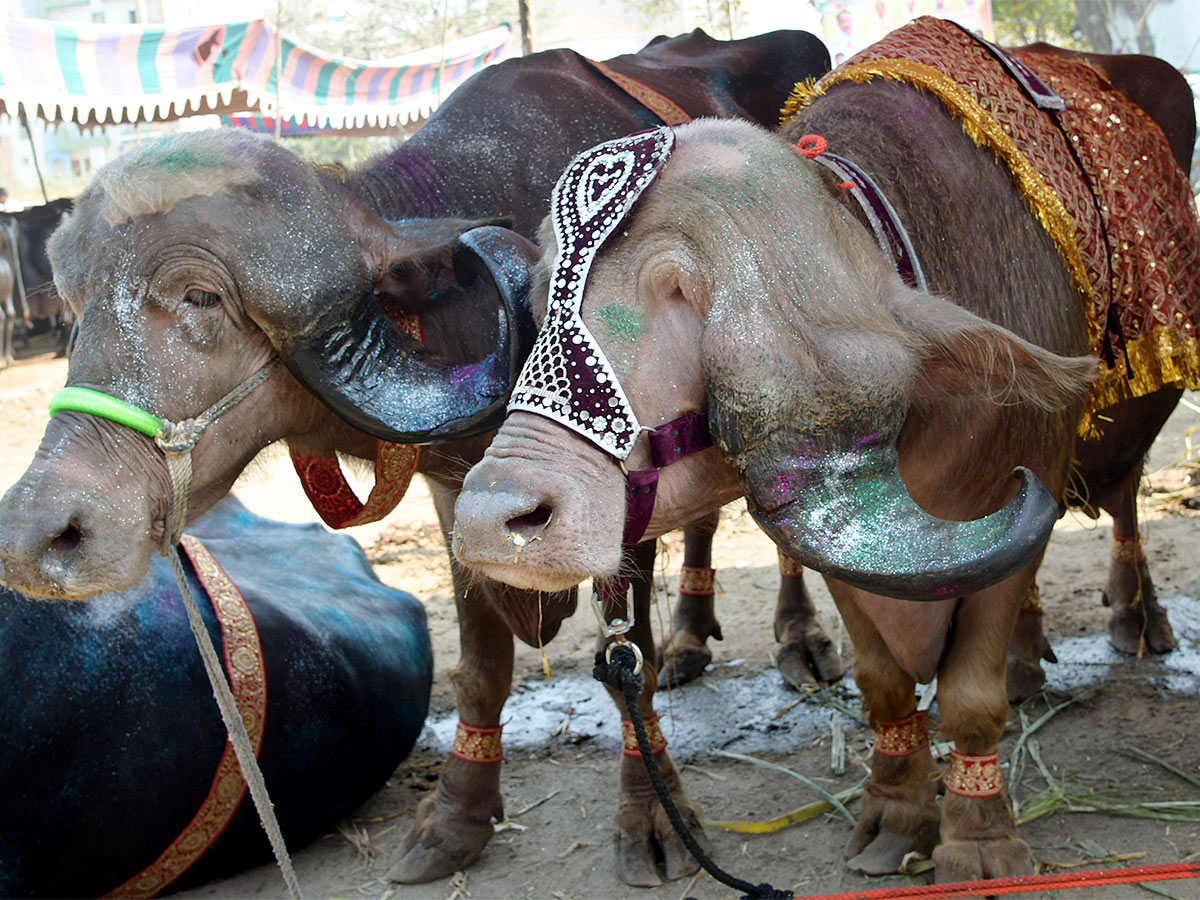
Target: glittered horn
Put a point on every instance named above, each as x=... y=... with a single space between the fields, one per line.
x=846 y=513
x=385 y=383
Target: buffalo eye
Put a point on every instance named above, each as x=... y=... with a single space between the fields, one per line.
x=202 y=299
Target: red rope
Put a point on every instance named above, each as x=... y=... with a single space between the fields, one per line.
x=1022 y=883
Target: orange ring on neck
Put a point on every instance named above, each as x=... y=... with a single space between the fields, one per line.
x=810 y=145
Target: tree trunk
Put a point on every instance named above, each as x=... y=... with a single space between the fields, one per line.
x=1094 y=19
x=526 y=15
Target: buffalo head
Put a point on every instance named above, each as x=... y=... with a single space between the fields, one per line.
x=741 y=286
x=191 y=263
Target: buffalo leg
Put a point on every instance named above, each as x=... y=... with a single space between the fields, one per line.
x=454 y=824
x=1027 y=649
x=1110 y=470
x=806 y=654
x=1138 y=622
x=8 y=318
x=686 y=653
x=643 y=830
x=978 y=834
x=899 y=813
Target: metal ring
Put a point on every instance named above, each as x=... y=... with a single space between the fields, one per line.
x=637 y=654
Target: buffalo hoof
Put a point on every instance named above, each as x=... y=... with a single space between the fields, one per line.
x=438 y=845
x=683 y=659
x=1026 y=651
x=974 y=860
x=813 y=658
x=645 y=834
x=883 y=855
x=899 y=814
x=1138 y=623
x=1137 y=627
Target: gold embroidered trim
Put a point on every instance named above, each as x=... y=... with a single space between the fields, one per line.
x=1033 y=600
x=1159 y=345
x=903 y=738
x=662 y=106
x=1161 y=357
x=985 y=132
x=974 y=776
x=478 y=743
x=788 y=567
x=248 y=680
x=394 y=468
x=1128 y=549
x=629 y=744
x=696 y=580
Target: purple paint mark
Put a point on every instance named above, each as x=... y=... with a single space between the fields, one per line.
x=420 y=178
x=464 y=374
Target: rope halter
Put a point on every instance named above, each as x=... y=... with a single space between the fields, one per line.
x=175 y=439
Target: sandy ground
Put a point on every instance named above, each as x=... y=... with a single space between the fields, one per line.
x=562 y=739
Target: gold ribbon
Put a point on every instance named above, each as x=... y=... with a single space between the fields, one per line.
x=248 y=680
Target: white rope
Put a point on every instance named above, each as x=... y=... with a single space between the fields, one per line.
x=237 y=730
x=176 y=440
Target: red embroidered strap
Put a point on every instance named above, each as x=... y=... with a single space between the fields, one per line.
x=696 y=581
x=1127 y=548
x=788 y=567
x=333 y=499
x=662 y=106
x=903 y=738
x=325 y=484
x=248 y=679
x=629 y=744
x=478 y=743
x=974 y=776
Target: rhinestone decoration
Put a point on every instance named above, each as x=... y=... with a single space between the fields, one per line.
x=567 y=377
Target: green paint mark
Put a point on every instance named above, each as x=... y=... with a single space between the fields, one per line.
x=173 y=159
x=623 y=323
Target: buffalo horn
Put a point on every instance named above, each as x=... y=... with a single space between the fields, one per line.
x=388 y=385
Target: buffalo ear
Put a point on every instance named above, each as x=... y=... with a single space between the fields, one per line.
x=808 y=411
x=409 y=257
x=965 y=355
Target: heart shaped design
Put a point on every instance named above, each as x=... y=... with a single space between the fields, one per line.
x=604 y=178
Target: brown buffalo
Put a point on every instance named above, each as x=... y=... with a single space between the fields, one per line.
x=194 y=261
x=872 y=426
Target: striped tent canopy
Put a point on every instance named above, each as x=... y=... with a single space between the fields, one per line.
x=110 y=74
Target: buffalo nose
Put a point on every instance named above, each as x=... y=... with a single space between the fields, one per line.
x=529 y=525
x=38 y=552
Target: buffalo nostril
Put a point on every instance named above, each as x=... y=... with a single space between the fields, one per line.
x=531 y=523
x=67 y=541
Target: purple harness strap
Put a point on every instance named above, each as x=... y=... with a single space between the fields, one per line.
x=668 y=443
x=889 y=232
x=1033 y=86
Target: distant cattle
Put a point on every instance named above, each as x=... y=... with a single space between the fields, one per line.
x=112 y=739
x=35 y=301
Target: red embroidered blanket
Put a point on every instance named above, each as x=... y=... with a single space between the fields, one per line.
x=1100 y=177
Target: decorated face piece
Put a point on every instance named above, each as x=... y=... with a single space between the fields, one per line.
x=567 y=377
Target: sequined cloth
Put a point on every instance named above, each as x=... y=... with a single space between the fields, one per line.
x=974 y=776
x=478 y=743
x=629 y=744
x=903 y=738
x=696 y=580
x=1099 y=176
